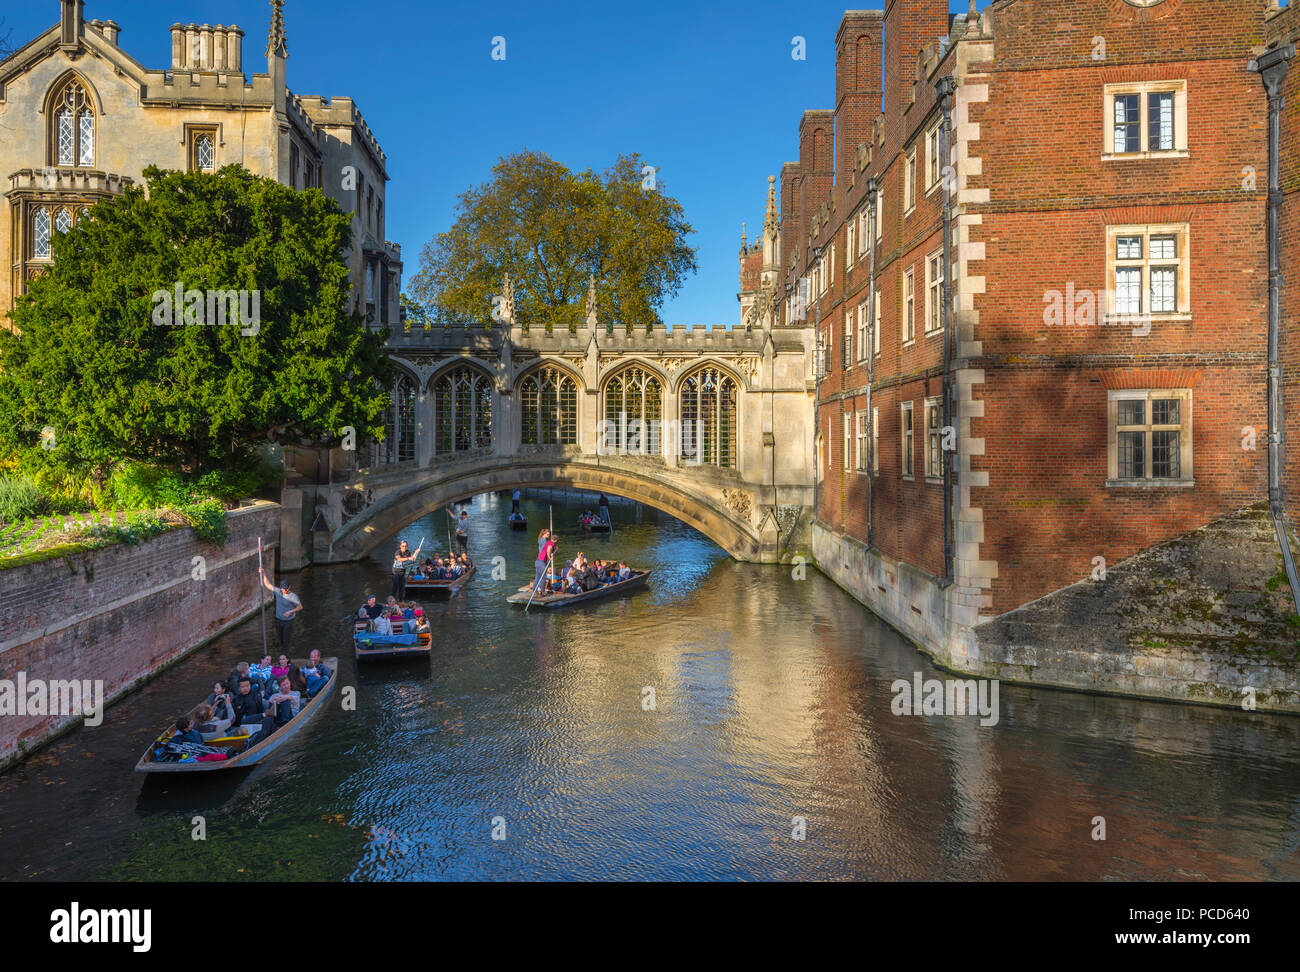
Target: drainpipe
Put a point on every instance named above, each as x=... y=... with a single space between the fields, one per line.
x=1272 y=67
x=946 y=87
x=873 y=187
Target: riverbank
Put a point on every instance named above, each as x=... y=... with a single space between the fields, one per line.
x=1200 y=619
x=112 y=618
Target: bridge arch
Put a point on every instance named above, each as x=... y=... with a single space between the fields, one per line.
x=726 y=523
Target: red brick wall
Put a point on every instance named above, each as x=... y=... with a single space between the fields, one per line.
x=142 y=610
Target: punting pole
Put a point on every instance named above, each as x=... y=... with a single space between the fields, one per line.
x=261 y=594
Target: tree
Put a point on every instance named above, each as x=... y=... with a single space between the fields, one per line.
x=6 y=44
x=107 y=358
x=552 y=230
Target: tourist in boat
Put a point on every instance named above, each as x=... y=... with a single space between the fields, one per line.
x=280 y=708
x=624 y=573
x=260 y=673
x=186 y=733
x=297 y=680
x=370 y=609
x=287 y=606
x=514 y=503
x=316 y=673
x=401 y=560
x=206 y=722
x=281 y=668
x=248 y=705
x=383 y=626
x=462 y=528
x=220 y=701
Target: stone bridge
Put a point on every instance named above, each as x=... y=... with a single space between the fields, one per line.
x=713 y=426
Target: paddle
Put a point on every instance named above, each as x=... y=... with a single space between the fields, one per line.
x=261 y=593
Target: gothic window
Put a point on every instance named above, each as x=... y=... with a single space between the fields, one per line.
x=462 y=419
x=74 y=127
x=633 y=412
x=399 y=424
x=550 y=408
x=41 y=234
x=63 y=221
x=708 y=398
x=205 y=154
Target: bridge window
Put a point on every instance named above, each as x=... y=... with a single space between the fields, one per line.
x=399 y=425
x=633 y=412
x=462 y=419
x=709 y=418
x=550 y=407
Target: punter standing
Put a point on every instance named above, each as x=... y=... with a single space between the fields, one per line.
x=400 y=561
x=462 y=528
x=545 y=550
x=287 y=606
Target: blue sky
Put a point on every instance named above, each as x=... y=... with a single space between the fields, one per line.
x=706 y=91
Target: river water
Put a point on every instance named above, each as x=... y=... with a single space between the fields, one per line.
x=771 y=718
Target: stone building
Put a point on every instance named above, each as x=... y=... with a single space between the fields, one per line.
x=1032 y=240
x=82 y=119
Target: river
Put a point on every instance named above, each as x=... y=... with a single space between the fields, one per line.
x=694 y=730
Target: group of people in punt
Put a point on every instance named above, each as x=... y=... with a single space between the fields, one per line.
x=265 y=694
x=578 y=575
x=438 y=567
x=391 y=618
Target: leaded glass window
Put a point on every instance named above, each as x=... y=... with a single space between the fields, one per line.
x=41 y=234
x=462 y=404
x=205 y=157
x=74 y=127
x=63 y=221
x=633 y=413
x=550 y=408
x=708 y=408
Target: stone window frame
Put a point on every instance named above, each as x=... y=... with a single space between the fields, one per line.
x=907 y=325
x=190 y=138
x=864 y=329
x=933 y=162
x=907 y=440
x=860 y=420
x=1143 y=90
x=1185 y=429
x=1183 y=296
x=846 y=356
x=846 y=455
x=849 y=240
x=933 y=438
x=875 y=441
x=876 y=328
x=89 y=107
x=934 y=292
x=909 y=182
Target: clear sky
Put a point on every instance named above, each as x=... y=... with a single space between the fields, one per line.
x=706 y=90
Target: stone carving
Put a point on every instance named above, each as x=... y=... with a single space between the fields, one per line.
x=739 y=502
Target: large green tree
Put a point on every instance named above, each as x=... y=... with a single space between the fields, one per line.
x=552 y=230
x=119 y=372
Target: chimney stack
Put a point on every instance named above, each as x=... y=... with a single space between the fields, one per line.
x=178 y=47
x=234 y=49
x=910 y=27
x=111 y=31
x=858 y=85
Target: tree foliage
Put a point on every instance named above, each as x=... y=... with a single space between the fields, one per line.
x=552 y=230
x=88 y=362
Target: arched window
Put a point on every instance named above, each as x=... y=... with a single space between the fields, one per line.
x=205 y=156
x=633 y=412
x=63 y=221
x=399 y=424
x=708 y=398
x=41 y=234
x=74 y=127
x=462 y=418
x=550 y=408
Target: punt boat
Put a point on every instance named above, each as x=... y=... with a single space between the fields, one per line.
x=244 y=739
x=558 y=600
x=415 y=582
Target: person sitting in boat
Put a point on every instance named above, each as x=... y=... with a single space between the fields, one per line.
x=316 y=673
x=624 y=572
x=281 y=668
x=238 y=672
x=280 y=708
x=220 y=701
x=185 y=732
x=382 y=625
x=260 y=673
x=297 y=680
x=370 y=609
x=248 y=705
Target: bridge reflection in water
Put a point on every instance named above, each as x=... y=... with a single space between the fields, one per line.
x=772 y=701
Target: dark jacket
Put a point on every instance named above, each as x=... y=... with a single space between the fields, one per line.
x=251 y=704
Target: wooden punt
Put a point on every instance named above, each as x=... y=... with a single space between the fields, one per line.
x=420 y=648
x=247 y=755
x=441 y=586
x=519 y=524
x=637 y=580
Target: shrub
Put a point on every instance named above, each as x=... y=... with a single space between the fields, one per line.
x=21 y=498
x=209 y=521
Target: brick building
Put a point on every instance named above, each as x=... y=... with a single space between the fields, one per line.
x=1033 y=241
